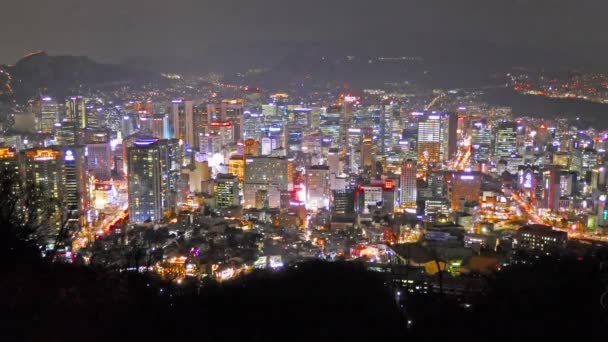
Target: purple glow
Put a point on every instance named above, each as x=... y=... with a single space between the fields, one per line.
x=146 y=142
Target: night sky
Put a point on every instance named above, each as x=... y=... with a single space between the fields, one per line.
x=110 y=30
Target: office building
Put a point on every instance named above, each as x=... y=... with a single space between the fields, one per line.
x=48 y=114
x=505 y=142
x=541 y=239
x=408 y=185
x=226 y=190
x=464 y=187
x=154 y=172
x=449 y=137
x=273 y=174
x=317 y=186
x=429 y=140
x=182 y=121
x=60 y=172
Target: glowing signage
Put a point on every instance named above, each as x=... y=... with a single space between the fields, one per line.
x=6 y=153
x=527 y=184
x=145 y=142
x=69 y=155
x=220 y=124
x=467 y=177
x=389 y=185
x=42 y=155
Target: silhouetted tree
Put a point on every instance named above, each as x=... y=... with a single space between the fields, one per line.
x=25 y=217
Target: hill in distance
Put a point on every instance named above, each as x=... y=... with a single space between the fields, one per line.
x=61 y=76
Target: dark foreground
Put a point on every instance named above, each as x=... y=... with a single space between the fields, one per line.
x=321 y=301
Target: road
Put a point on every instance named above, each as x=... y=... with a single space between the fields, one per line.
x=529 y=210
x=114 y=214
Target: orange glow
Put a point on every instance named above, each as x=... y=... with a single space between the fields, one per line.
x=389 y=185
x=6 y=153
x=220 y=124
x=42 y=154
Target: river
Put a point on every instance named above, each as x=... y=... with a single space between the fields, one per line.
x=595 y=114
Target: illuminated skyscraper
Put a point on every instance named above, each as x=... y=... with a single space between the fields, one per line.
x=201 y=121
x=429 y=140
x=228 y=111
x=330 y=124
x=182 y=121
x=505 y=143
x=9 y=160
x=76 y=111
x=252 y=125
x=464 y=187
x=99 y=160
x=61 y=173
x=251 y=148
x=481 y=142
x=48 y=114
x=409 y=190
x=154 y=171
x=367 y=154
x=267 y=173
x=226 y=190
x=236 y=167
x=551 y=189
x=449 y=138
x=317 y=186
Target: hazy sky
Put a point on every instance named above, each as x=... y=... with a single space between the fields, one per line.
x=110 y=30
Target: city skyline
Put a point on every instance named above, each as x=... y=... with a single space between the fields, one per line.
x=328 y=170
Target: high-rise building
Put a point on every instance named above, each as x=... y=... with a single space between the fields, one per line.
x=91 y=117
x=153 y=176
x=481 y=142
x=236 y=167
x=60 y=172
x=200 y=124
x=317 y=186
x=367 y=154
x=389 y=196
x=226 y=191
x=160 y=123
x=9 y=160
x=333 y=161
x=228 y=111
x=76 y=111
x=551 y=190
x=182 y=121
x=567 y=182
x=330 y=124
x=464 y=187
x=48 y=114
x=408 y=186
x=267 y=173
x=449 y=137
x=505 y=143
x=99 y=160
x=251 y=148
x=429 y=140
